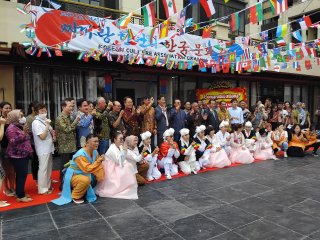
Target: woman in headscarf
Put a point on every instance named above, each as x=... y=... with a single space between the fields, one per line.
x=202 y=147
x=223 y=137
x=19 y=150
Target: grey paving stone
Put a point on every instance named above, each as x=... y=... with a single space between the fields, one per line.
x=23 y=212
x=251 y=188
x=50 y=235
x=111 y=206
x=200 y=202
x=308 y=206
x=315 y=235
x=282 y=198
x=150 y=197
x=178 y=191
x=228 y=236
x=269 y=181
x=228 y=194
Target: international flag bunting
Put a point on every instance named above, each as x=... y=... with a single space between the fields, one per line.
x=208 y=7
x=130 y=34
x=234 y=22
x=193 y=2
x=169 y=7
x=278 y=6
x=48 y=53
x=264 y=35
x=164 y=29
x=152 y=33
x=196 y=26
x=280 y=41
x=243 y=40
x=181 y=18
x=148 y=15
x=282 y=30
x=206 y=32
x=297 y=35
x=295 y=65
x=308 y=64
x=256 y=14
x=124 y=21
x=305 y=22
x=20 y=10
x=318 y=61
x=189 y=22
x=54 y=4
x=262 y=47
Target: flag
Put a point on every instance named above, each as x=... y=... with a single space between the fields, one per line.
x=48 y=52
x=264 y=35
x=280 y=41
x=276 y=67
x=284 y=66
x=193 y=2
x=225 y=1
x=262 y=47
x=242 y=40
x=206 y=32
x=278 y=6
x=208 y=7
x=124 y=21
x=149 y=19
x=169 y=7
x=153 y=32
x=54 y=4
x=295 y=65
x=256 y=14
x=318 y=61
x=282 y=30
x=130 y=34
x=189 y=22
x=305 y=22
x=181 y=18
x=234 y=22
x=297 y=35
x=40 y=52
x=164 y=29
x=20 y=10
x=196 y=26
x=308 y=64
x=58 y=52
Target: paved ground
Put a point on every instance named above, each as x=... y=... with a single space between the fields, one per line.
x=269 y=200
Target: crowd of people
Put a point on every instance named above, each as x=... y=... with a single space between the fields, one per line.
x=109 y=151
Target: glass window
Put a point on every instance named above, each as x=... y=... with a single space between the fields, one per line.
x=296 y=94
x=188 y=87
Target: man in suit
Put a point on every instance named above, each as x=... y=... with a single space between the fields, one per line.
x=213 y=119
x=162 y=118
x=178 y=119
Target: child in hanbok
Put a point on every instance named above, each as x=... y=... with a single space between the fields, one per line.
x=150 y=155
x=250 y=137
x=279 y=138
x=218 y=156
x=264 y=146
x=169 y=150
x=223 y=137
x=239 y=153
x=187 y=160
x=202 y=147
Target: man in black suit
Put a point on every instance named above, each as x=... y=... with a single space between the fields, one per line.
x=213 y=119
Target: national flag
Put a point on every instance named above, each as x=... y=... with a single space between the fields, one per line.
x=226 y=67
x=243 y=40
x=156 y=60
x=226 y=1
x=318 y=61
x=124 y=21
x=282 y=30
x=308 y=64
x=169 y=7
x=278 y=6
x=284 y=66
x=247 y=53
x=264 y=35
x=234 y=21
x=108 y=55
x=290 y=46
x=256 y=14
x=164 y=29
x=208 y=7
x=295 y=65
x=196 y=26
x=305 y=22
x=40 y=52
x=20 y=10
x=130 y=34
x=297 y=35
x=181 y=18
x=280 y=41
x=193 y=2
x=149 y=19
x=152 y=33
x=232 y=56
x=54 y=4
x=58 y=52
x=262 y=47
x=206 y=32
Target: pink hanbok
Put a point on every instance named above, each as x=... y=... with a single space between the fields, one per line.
x=239 y=153
x=218 y=158
x=264 y=149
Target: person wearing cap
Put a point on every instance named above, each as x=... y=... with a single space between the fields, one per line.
x=169 y=151
x=187 y=160
x=264 y=146
x=218 y=156
x=223 y=137
x=150 y=154
x=250 y=137
x=239 y=153
x=202 y=147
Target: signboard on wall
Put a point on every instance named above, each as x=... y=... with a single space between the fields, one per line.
x=220 y=94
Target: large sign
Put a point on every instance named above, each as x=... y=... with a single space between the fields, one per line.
x=222 y=94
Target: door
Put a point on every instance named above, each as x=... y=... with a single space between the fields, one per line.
x=121 y=93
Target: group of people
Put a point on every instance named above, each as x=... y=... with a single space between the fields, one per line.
x=108 y=151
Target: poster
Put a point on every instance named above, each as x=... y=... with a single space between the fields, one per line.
x=220 y=94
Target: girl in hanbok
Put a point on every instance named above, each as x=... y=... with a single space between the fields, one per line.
x=239 y=153
x=218 y=156
x=202 y=147
x=264 y=146
x=279 y=138
x=169 y=150
x=223 y=137
x=150 y=155
x=120 y=167
x=250 y=137
x=187 y=160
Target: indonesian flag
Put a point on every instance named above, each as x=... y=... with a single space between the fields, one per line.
x=148 y=15
x=208 y=7
x=305 y=22
x=169 y=7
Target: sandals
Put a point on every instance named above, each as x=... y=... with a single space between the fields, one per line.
x=48 y=192
x=10 y=194
x=24 y=199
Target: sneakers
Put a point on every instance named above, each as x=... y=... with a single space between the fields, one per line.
x=77 y=201
x=168 y=177
x=4 y=204
x=315 y=154
x=149 y=178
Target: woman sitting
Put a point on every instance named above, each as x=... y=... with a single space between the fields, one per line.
x=120 y=167
x=169 y=150
x=250 y=137
x=218 y=156
x=264 y=146
x=187 y=160
x=202 y=147
x=297 y=142
x=279 y=138
x=311 y=136
x=151 y=155
x=239 y=153
x=223 y=137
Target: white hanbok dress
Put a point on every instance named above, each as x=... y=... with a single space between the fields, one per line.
x=239 y=153
x=222 y=139
x=219 y=158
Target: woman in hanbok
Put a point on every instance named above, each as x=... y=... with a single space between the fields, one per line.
x=218 y=156
x=223 y=137
x=169 y=151
x=279 y=138
x=250 y=137
x=239 y=153
x=202 y=147
x=187 y=160
x=150 y=155
x=264 y=144
x=120 y=168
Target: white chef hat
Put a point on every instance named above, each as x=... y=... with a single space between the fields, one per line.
x=224 y=124
x=184 y=131
x=199 y=129
x=168 y=132
x=248 y=124
x=144 y=136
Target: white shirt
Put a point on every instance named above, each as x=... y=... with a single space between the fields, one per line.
x=236 y=113
x=45 y=146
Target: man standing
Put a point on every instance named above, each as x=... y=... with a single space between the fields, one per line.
x=213 y=119
x=178 y=119
x=162 y=118
x=115 y=118
x=101 y=124
x=194 y=118
x=245 y=111
x=223 y=112
x=236 y=115
x=85 y=126
x=149 y=122
x=131 y=117
x=187 y=107
x=302 y=114
x=66 y=135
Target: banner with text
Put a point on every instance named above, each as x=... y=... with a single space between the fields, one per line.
x=225 y=94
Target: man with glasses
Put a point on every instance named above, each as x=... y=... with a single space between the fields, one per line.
x=178 y=119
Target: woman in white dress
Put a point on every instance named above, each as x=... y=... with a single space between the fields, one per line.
x=223 y=137
x=218 y=156
x=264 y=144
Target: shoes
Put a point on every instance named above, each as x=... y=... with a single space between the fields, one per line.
x=285 y=155
x=315 y=154
x=9 y=194
x=78 y=201
x=4 y=204
x=24 y=199
x=149 y=178
x=47 y=192
x=194 y=172
x=168 y=177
